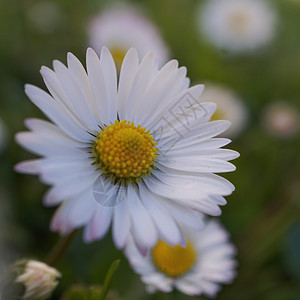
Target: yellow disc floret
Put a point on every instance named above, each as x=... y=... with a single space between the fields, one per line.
x=125 y=151
x=118 y=55
x=218 y=115
x=173 y=261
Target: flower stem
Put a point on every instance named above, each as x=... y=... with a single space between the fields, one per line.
x=60 y=248
x=108 y=277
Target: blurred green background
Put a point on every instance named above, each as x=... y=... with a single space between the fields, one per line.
x=262 y=215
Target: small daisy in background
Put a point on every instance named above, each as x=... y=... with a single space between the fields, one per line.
x=281 y=120
x=197 y=269
x=229 y=107
x=121 y=28
x=237 y=25
x=45 y=16
x=138 y=150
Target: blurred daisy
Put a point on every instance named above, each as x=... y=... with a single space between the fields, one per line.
x=45 y=16
x=237 y=25
x=229 y=107
x=139 y=153
x=122 y=28
x=199 y=268
x=281 y=120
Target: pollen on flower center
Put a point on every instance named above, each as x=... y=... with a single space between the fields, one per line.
x=125 y=151
x=173 y=261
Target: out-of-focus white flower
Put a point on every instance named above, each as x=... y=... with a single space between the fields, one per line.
x=134 y=150
x=281 y=119
x=199 y=268
x=122 y=28
x=45 y=16
x=237 y=25
x=229 y=107
x=3 y=135
x=39 y=279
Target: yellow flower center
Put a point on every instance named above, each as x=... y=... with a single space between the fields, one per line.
x=239 y=21
x=125 y=151
x=173 y=261
x=118 y=55
x=218 y=115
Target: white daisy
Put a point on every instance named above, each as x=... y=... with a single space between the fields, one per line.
x=281 y=119
x=229 y=107
x=121 y=28
x=237 y=25
x=199 y=268
x=139 y=152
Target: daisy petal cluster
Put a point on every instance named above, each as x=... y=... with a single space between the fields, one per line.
x=237 y=25
x=137 y=150
x=120 y=28
x=197 y=269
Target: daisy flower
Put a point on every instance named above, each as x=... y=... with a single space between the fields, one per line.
x=281 y=119
x=121 y=28
x=199 y=268
x=229 y=107
x=237 y=25
x=138 y=152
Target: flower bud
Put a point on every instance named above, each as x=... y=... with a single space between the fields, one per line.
x=38 y=278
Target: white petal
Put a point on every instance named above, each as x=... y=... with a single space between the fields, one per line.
x=110 y=77
x=45 y=145
x=98 y=86
x=56 y=113
x=82 y=80
x=164 y=223
x=127 y=75
x=199 y=164
x=70 y=187
x=28 y=166
x=80 y=103
x=142 y=226
x=99 y=224
x=145 y=72
x=157 y=90
x=183 y=215
x=121 y=224
x=177 y=109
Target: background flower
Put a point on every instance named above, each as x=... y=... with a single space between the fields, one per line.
x=121 y=28
x=229 y=107
x=237 y=25
x=200 y=268
x=281 y=119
